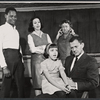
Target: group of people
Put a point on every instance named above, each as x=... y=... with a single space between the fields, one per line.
x=60 y=69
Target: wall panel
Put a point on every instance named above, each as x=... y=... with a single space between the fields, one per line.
x=86 y=23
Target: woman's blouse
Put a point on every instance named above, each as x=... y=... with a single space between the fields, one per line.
x=33 y=43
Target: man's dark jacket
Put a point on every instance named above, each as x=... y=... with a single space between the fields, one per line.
x=85 y=72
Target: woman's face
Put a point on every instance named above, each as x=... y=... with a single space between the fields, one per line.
x=36 y=24
x=65 y=28
x=53 y=53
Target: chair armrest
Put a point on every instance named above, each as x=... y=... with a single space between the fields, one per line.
x=84 y=95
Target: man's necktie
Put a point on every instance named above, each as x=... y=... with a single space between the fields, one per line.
x=75 y=61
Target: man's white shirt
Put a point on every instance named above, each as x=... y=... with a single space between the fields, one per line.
x=9 y=38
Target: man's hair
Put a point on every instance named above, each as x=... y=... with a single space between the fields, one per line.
x=76 y=38
x=10 y=9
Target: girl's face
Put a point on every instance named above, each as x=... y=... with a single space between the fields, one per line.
x=53 y=53
x=36 y=24
x=65 y=28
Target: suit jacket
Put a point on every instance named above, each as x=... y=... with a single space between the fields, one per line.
x=85 y=72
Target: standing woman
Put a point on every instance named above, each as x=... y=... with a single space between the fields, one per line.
x=62 y=39
x=37 y=41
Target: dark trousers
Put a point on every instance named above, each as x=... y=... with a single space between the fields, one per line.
x=16 y=67
x=59 y=94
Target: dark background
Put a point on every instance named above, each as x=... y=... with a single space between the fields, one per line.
x=86 y=21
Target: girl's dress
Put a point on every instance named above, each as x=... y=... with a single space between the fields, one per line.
x=52 y=67
x=36 y=58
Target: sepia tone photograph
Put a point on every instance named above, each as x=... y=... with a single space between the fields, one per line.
x=49 y=49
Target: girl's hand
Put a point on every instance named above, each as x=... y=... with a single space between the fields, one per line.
x=65 y=89
x=69 y=87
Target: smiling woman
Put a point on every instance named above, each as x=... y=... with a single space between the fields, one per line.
x=37 y=41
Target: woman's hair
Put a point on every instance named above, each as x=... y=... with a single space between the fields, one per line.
x=66 y=21
x=48 y=46
x=31 y=28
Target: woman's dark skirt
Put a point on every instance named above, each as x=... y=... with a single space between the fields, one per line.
x=36 y=59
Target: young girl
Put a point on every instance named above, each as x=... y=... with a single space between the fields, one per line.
x=54 y=80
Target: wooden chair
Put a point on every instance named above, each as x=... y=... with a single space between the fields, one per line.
x=84 y=95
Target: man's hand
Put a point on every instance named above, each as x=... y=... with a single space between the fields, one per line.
x=65 y=89
x=71 y=83
x=6 y=72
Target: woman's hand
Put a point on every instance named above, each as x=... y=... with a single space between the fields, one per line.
x=65 y=89
x=40 y=49
x=59 y=34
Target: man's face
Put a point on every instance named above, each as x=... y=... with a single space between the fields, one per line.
x=76 y=47
x=11 y=17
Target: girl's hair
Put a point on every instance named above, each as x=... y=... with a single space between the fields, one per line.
x=66 y=21
x=31 y=28
x=48 y=46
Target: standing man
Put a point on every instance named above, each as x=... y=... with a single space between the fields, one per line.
x=10 y=57
x=81 y=69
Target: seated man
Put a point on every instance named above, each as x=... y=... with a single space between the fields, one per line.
x=81 y=69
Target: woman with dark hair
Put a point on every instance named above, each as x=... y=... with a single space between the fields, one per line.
x=37 y=41
x=62 y=39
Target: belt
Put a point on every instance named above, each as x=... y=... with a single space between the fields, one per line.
x=10 y=49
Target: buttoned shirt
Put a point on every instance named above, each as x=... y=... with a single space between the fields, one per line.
x=32 y=46
x=9 y=38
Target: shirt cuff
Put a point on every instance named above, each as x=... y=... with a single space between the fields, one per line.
x=76 y=86
x=4 y=67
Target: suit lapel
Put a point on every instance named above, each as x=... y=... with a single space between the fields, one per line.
x=69 y=65
x=78 y=63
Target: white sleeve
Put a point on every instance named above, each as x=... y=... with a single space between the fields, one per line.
x=32 y=47
x=49 y=39
x=21 y=54
x=2 y=59
x=61 y=66
x=76 y=85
